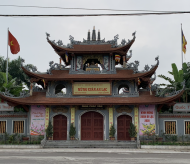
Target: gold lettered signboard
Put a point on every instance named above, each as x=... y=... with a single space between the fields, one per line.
x=92 y=88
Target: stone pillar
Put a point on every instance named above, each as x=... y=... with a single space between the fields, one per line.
x=73 y=115
x=110 y=117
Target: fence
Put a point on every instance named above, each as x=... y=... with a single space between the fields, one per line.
x=19 y=139
x=166 y=139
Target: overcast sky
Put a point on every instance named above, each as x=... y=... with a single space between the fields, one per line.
x=156 y=35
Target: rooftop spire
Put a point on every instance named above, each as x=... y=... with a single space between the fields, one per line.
x=98 y=34
x=93 y=34
x=88 y=35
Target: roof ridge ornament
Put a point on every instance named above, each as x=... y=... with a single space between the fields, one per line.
x=47 y=35
x=133 y=34
x=134 y=65
x=54 y=66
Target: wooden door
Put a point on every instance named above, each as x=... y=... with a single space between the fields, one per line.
x=92 y=126
x=60 y=127
x=123 y=125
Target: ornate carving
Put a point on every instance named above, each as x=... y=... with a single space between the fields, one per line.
x=133 y=66
x=168 y=92
x=22 y=94
x=129 y=56
x=48 y=35
x=133 y=34
x=60 y=109
x=123 y=42
x=59 y=43
x=55 y=66
x=122 y=109
x=86 y=57
x=31 y=68
x=114 y=41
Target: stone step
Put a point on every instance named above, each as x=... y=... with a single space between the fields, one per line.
x=90 y=144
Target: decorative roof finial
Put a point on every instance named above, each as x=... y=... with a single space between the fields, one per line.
x=48 y=35
x=93 y=34
x=98 y=35
x=88 y=35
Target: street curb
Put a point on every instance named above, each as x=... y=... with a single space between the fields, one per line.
x=166 y=147
x=20 y=146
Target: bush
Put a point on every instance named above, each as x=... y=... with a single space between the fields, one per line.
x=49 y=130
x=72 y=130
x=132 y=130
x=112 y=131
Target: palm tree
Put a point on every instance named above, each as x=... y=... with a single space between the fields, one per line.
x=179 y=77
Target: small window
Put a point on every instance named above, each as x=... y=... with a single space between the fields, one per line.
x=2 y=126
x=123 y=89
x=170 y=127
x=187 y=127
x=18 y=126
x=60 y=88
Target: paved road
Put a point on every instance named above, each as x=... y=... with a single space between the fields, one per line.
x=22 y=157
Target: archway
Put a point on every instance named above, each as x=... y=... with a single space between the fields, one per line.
x=122 y=89
x=60 y=88
x=60 y=127
x=123 y=125
x=92 y=126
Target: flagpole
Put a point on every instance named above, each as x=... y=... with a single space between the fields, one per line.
x=7 y=53
x=181 y=46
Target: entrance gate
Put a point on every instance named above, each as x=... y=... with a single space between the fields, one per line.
x=59 y=127
x=92 y=126
x=123 y=125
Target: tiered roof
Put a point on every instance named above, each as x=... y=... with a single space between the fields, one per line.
x=60 y=73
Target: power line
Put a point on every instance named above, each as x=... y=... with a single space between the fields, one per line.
x=65 y=8
x=96 y=15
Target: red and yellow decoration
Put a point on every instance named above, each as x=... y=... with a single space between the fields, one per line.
x=13 y=43
x=117 y=58
x=139 y=81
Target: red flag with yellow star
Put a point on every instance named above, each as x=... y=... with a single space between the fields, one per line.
x=13 y=43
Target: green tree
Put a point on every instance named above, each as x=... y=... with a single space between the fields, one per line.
x=72 y=130
x=15 y=70
x=49 y=130
x=178 y=77
x=11 y=86
x=112 y=131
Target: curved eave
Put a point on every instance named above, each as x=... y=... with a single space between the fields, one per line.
x=92 y=48
x=39 y=98
x=64 y=75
